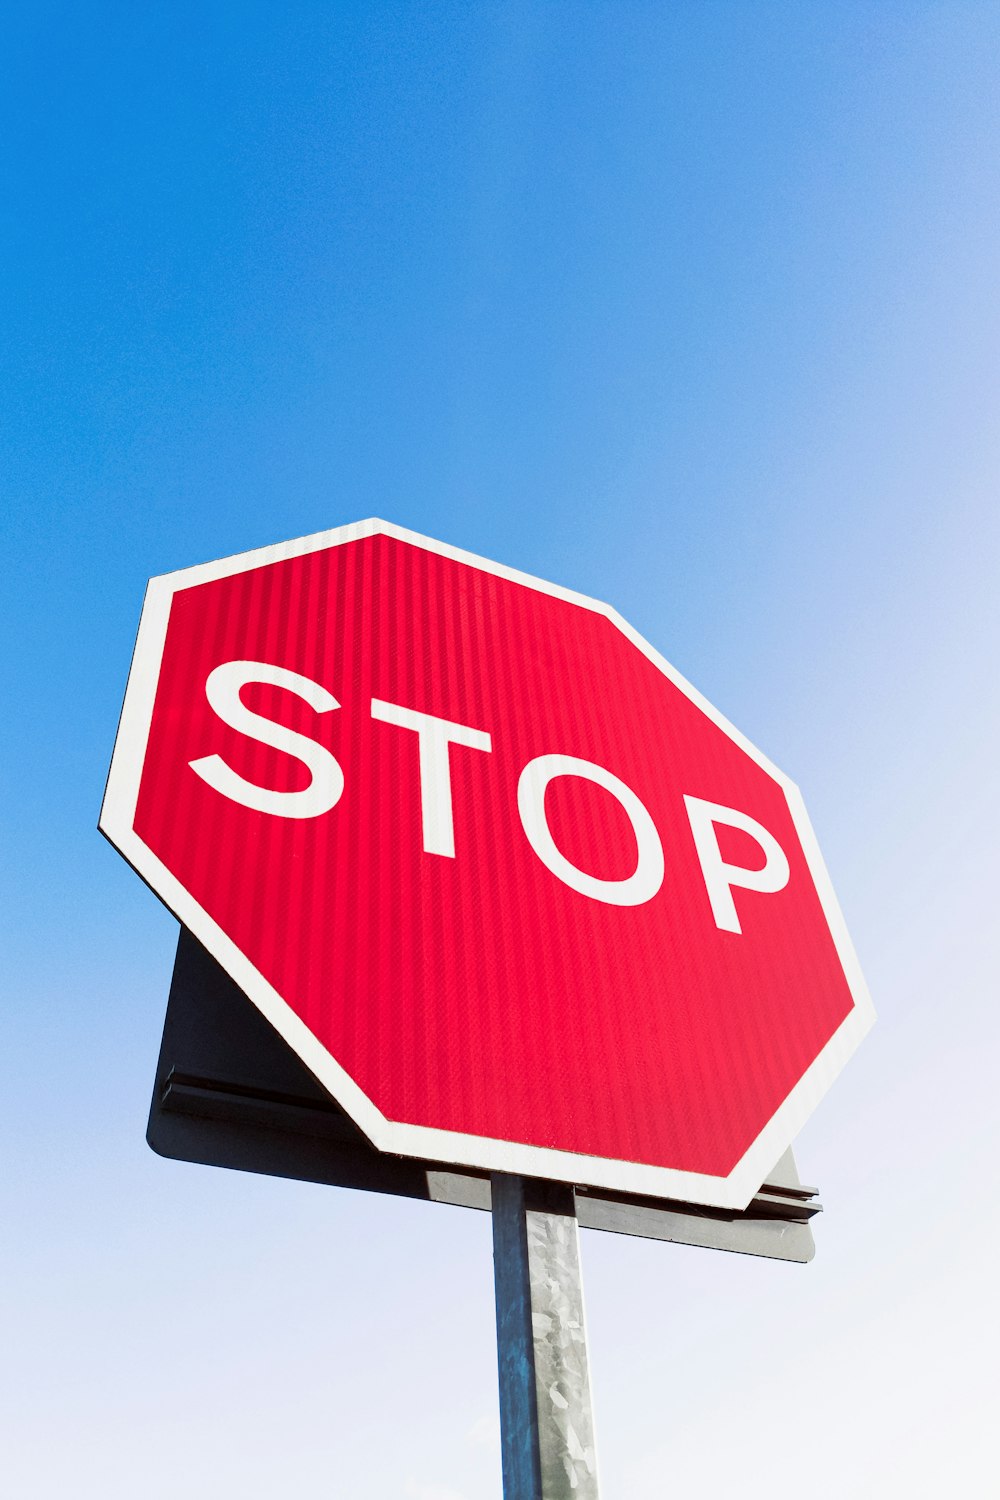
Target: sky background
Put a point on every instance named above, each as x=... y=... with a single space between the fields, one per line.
x=692 y=308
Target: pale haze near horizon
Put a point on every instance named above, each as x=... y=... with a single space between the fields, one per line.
x=694 y=312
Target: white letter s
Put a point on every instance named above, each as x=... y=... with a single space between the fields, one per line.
x=222 y=690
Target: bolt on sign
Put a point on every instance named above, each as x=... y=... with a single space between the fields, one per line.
x=516 y=894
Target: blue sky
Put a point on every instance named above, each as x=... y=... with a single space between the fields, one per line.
x=690 y=308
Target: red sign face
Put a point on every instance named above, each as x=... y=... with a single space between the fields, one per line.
x=513 y=891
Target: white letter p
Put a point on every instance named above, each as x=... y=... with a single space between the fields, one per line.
x=719 y=876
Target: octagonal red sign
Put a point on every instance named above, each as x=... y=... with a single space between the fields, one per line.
x=517 y=895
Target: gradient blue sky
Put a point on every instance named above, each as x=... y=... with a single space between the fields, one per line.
x=692 y=308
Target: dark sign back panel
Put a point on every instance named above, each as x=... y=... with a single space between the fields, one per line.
x=230 y=1093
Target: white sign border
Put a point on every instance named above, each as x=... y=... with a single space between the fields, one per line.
x=451 y=1147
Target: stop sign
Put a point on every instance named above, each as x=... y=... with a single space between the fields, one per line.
x=516 y=894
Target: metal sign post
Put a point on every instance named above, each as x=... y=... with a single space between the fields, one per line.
x=546 y=1421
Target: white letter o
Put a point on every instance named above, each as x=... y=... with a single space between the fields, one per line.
x=647 y=878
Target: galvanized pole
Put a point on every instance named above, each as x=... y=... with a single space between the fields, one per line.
x=546 y=1421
